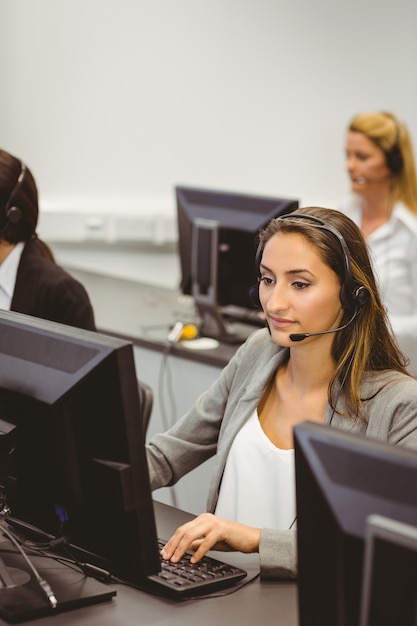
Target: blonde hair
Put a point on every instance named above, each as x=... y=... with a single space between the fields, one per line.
x=389 y=134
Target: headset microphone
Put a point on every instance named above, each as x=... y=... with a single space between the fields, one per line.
x=361 y=180
x=301 y=336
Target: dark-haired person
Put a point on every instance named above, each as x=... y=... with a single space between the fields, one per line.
x=383 y=203
x=327 y=355
x=30 y=280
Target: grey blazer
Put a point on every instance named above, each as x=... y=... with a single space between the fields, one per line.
x=211 y=425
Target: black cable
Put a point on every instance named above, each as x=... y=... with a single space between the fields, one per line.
x=43 y=584
x=89 y=569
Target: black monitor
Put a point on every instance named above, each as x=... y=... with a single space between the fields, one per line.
x=72 y=459
x=217 y=237
x=389 y=584
x=341 y=479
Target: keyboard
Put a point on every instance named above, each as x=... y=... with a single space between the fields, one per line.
x=185 y=579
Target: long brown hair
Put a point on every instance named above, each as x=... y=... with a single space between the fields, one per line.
x=371 y=346
x=18 y=188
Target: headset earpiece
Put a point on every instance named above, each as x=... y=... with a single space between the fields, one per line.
x=394 y=157
x=14 y=214
x=360 y=296
x=353 y=299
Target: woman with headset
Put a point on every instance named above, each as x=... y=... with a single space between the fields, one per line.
x=316 y=360
x=383 y=203
x=30 y=280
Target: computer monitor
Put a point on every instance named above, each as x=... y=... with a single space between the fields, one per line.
x=217 y=238
x=389 y=584
x=72 y=459
x=341 y=479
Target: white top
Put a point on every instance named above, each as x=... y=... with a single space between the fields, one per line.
x=8 y=273
x=393 y=248
x=258 y=484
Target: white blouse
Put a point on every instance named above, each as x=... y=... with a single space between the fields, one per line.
x=258 y=485
x=393 y=249
x=8 y=273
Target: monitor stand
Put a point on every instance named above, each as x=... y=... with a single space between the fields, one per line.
x=21 y=597
x=214 y=325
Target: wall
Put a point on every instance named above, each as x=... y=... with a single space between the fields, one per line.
x=113 y=102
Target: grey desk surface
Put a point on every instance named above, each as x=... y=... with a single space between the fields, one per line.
x=144 y=315
x=259 y=601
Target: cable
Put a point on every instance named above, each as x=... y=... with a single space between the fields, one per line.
x=165 y=369
x=165 y=372
x=43 y=584
x=99 y=573
x=177 y=333
x=43 y=549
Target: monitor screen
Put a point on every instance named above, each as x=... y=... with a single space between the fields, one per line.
x=389 y=584
x=72 y=459
x=341 y=479
x=217 y=238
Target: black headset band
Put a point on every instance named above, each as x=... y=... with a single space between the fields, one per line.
x=296 y=218
x=14 y=213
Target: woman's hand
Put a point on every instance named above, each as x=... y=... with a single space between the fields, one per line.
x=207 y=532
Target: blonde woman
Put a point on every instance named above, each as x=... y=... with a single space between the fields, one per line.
x=383 y=203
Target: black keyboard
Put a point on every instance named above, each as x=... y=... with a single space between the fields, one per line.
x=185 y=579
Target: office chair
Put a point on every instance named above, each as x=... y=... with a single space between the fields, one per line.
x=146 y=403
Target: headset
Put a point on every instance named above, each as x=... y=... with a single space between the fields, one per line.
x=12 y=212
x=394 y=157
x=352 y=295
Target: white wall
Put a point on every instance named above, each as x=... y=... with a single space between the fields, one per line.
x=113 y=102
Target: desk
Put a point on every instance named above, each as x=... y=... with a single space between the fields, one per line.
x=258 y=602
x=144 y=314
